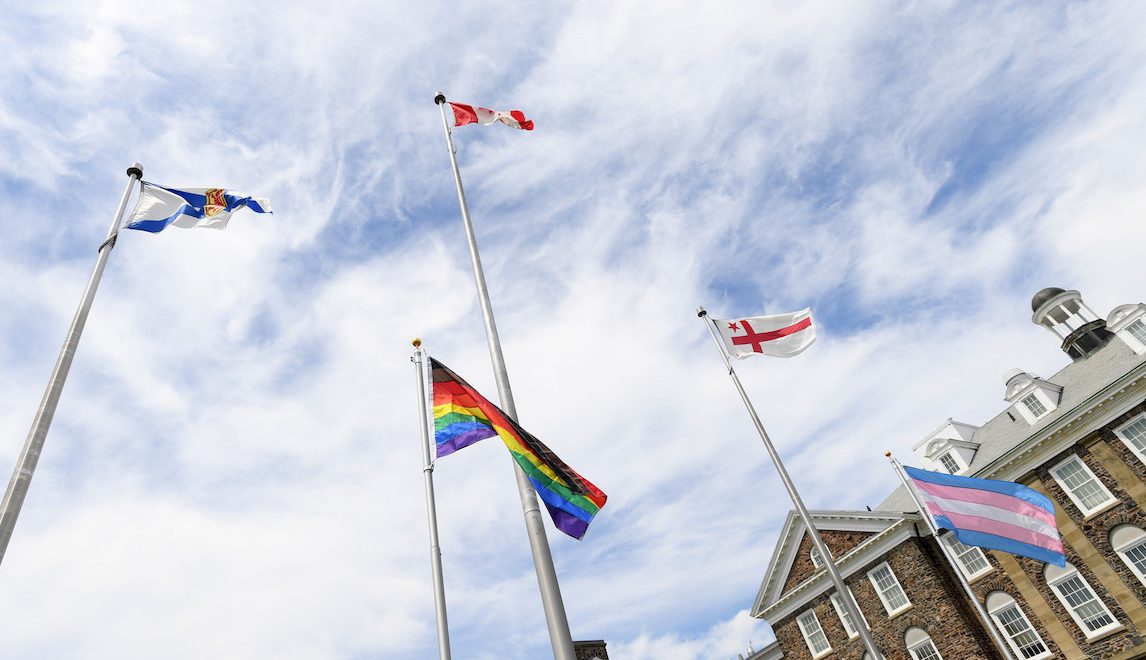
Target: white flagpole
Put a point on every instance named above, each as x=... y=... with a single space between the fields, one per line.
x=551 y=602
x=995 y=637
x=845 y=594
x=424 y=393
x=34 y=445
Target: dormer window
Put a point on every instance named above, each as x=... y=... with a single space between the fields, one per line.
x=951 y=447
x=1034 y=405
x=1137 y=330
x=1128 y=322
x=1032 y=397
x=949 y=463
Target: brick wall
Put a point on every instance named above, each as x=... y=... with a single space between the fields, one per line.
x=937 y=607
x=838 y=543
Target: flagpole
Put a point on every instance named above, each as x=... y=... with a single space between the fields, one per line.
x=995 y=637
x=431 y=508
x=34 y=445
x=558 y=624
x=845 y=594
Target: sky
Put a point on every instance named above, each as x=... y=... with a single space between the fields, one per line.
x=234 y=470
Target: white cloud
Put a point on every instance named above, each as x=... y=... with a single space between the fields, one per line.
x=234 y=467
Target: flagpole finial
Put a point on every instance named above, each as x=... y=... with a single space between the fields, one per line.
x=135 y=170
x=439 y=98
x=417 y=342
x=887 y=454
x=701 y=312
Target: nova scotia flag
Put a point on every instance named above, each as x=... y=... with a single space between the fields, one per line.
x=159 y=207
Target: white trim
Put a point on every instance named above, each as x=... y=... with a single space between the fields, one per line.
x=950 y=540
x=1010 y=602
x=879 y=591
x=807 y=638
x=1056 y=577
x=1141 y=417
x=848 y=564
x=1132 y=538
x=838 y=605
x=916 y=647
x=1086 y=511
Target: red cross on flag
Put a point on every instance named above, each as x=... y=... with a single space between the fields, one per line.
x=782 y=335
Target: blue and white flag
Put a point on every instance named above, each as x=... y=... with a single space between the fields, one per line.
x=159 y=207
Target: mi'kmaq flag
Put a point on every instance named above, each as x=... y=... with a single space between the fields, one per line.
x=780 y=335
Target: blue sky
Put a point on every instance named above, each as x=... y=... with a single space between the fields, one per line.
x=234 y=468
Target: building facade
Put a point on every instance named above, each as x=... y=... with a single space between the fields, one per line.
x=1079 y=437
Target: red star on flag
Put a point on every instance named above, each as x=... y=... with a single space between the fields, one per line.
x=733 y=326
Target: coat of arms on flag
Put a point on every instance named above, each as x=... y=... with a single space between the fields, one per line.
x=160 y=207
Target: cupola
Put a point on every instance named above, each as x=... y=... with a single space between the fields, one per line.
x=1064 y=313
x=1032 y=397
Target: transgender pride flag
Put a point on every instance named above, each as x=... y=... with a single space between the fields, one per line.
x=998 y=515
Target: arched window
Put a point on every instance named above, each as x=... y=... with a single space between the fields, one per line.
x=1130 y=544
x=920 y=646
x=1023 y=639
x=1076 y=595
x=817 y=560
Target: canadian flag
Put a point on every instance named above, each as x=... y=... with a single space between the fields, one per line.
x=468 y=114
x=781 y=335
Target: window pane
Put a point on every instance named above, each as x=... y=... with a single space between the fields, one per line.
x=925 y=651
x=1135 y=434
x=1019 y=631
x=1138 y=329
x=845 y=618
x=970 y=557
x=1136 y=556
x=1082 y=600
x=1077 y=480
x=889 y=588
x=949 y=463
x=813 y=633
x=1034 y=405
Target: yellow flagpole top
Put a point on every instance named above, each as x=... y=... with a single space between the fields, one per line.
x=886 y=453
x=417 y=342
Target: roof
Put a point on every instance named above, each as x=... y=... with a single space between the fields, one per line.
x=1083 y=384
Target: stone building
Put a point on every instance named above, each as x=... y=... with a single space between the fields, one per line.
x=1080 y=438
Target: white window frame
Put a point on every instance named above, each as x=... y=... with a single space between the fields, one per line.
x=879 y=592
x=1070 y=573
x=1121 y=433
x=1030 y=401
x=953 y=456
x=1137 y=323
x=808 y=639
x=838 y=605
x=1006 y=605
x=1125 y=538
x=1102 y=506
x=916 y=639
x=950 y=540
x=817 y=560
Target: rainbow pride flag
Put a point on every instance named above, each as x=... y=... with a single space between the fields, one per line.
x=462 y=417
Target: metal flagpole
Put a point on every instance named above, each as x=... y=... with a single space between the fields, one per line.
x=431 y=508
x=845 y=594
x=555 y=619
x=995 y=637
x=30 y=455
